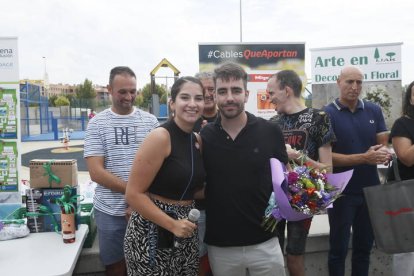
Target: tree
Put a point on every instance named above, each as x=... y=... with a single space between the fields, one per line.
x=62 y=101
x=70 y=97
x=85 y=92
x=380 y=97
x=52 y=100
x=139 y=100
x=163 y=99
x=145 y=98
x=308 y=100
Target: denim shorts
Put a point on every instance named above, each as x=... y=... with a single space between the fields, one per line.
x=297 y=233
x=111 y=233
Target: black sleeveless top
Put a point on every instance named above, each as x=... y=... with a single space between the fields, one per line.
x=184 y=164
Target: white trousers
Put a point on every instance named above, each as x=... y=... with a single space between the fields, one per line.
x=263 y=259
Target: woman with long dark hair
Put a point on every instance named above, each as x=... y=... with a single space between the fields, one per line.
x=402 y=135
x=166 y=172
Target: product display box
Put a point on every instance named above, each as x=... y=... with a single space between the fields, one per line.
x=87 y=216
x=46 y=197
x=41 y=173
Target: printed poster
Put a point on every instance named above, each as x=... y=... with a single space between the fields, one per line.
x=8 y=166
x=9 y=121
x=8 y=113
x=260 y=62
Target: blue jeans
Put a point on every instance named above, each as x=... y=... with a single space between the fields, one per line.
x=347 y=211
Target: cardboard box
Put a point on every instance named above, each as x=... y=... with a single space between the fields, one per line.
x=87 y=216
x=47 y=197
x=65 y=169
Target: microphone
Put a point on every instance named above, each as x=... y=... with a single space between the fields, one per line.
x=193 y=216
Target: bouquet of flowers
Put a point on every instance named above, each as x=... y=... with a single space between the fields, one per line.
x=301 y=193
x=308 y=190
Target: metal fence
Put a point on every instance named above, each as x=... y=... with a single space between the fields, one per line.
x=52 y=128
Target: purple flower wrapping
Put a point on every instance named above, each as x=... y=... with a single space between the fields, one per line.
x=295 y=192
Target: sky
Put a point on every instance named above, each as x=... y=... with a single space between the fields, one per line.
x=86 y=38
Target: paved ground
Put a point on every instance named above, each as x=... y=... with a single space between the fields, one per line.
x=76 y=135
x=46 y=146
x=57 y=153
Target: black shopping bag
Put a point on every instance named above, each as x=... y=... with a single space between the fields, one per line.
x=391 y=210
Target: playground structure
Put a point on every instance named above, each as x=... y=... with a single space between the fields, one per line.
x=155 y=106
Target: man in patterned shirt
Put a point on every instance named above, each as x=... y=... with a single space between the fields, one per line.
x=307 y=131
x=112 y=138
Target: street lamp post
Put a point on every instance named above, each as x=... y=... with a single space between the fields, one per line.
x=44 y=63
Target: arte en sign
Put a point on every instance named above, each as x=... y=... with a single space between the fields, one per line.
x=381 y=62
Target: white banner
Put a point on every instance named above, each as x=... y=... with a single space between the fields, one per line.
x=9 y=64
x=380 y=62
x=9 y=122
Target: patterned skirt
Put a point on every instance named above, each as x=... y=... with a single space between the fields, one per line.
x=142 y=255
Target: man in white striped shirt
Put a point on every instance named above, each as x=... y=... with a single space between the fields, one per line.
x=112 y=138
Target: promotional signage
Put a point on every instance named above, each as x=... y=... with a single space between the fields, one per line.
x=9 y=70
x=260 y=61
x=380 y=65
x=9 y=120
x=380 y=62
x=8 y=166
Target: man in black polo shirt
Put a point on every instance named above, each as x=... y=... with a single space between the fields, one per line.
x=236 y=152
